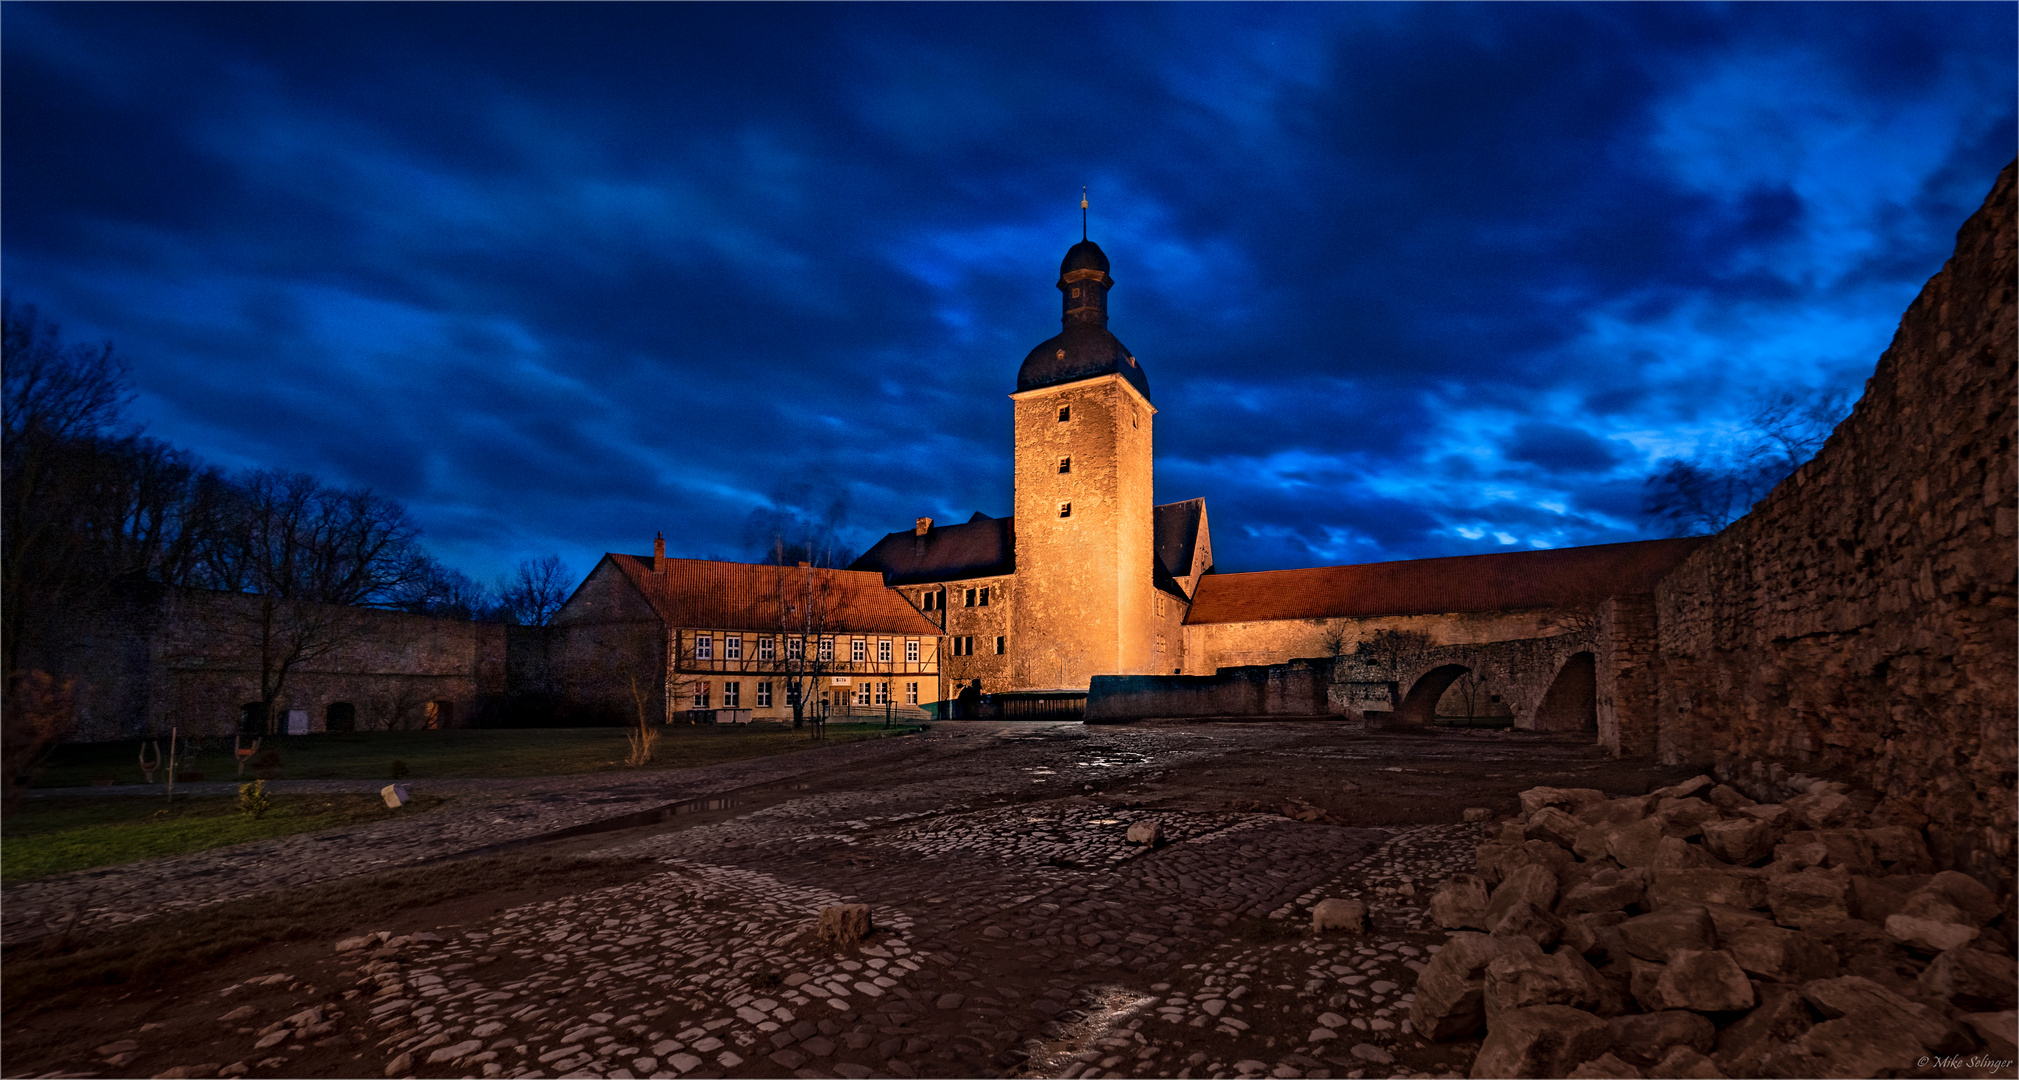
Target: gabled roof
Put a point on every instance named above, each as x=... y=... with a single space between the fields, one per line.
x=982 y=546
x=1177 y=526
x=705 y=594
x=1562 y=577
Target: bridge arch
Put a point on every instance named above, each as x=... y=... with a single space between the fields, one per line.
x=1419 y=706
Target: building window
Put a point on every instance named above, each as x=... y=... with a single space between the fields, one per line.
x=1065 y=509
x=701 y=694
x=1065 y=464
x=732 y=648
x=1160 y=643
x=1001 y=644
x=826 y=650
x=911 y=693
x=862 y=693
x=970 y=598
x=883 y=693
x=767 y=648
x=732 y=695
x=883 y=652
x=1160 y=605
x=858 y=650
x=1065 y=413
x=961 y=646
x=795 y=648
x=911 y=651
x=792 y=693
x=764 y=695
x=929 y=601
x=704 y=647
x=983 y=591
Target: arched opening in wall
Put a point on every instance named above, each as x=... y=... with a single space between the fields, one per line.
x=1473 y=700
x=252 y=718
x=440 y=714
x=340 y=716
x=1572 y=701
x=1419 y=706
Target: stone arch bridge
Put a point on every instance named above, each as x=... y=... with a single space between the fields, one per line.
x=1548 y=684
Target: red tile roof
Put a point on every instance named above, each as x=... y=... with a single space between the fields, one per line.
x=1559 y=577
x=743 y=596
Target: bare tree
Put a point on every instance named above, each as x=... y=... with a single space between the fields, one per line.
x=308 y=555
x=1392 y=653
x=1702 y=495
x=531 y=594
x=434 y=589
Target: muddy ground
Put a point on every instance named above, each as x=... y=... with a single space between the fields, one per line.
x=1018 y=932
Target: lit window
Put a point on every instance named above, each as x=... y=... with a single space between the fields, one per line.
x=826 y=649
x=1065 y=464
x=732 y=695
x=883 y=693
x=1000 y=644
x=911 y=652
x=911 y=693
x=858 y=650
x=767 y=648
x=764 y=695
x=704 y=647
x=700 y=695
x=1065 y=509
x=883 y=652
x=795 y=648
x=1065 y=413
x=732 y=648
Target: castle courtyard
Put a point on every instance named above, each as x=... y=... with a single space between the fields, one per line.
x=1016 y=930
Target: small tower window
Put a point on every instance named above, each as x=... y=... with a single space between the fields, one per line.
x=1076 y=290
x=1065 y=464
x=1065 y=412
x=1065 y=509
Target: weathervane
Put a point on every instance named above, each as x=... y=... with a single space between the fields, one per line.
x=1083 y=212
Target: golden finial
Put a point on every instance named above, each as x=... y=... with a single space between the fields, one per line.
x=1083 y=212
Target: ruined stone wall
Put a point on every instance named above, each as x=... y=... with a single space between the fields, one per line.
x=1211 y=646
x=1626 y=689
x=1520 y=672
x=1861 y=619
x=1293 y=689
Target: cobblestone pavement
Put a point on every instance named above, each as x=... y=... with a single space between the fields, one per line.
x=1017 y=932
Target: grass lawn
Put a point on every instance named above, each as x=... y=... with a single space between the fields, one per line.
x=50 y=836
x=521 y=752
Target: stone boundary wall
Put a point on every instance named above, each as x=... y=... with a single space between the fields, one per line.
x=1297 y=688
x=1860 y=621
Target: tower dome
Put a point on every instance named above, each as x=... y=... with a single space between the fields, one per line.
x=1084 y=349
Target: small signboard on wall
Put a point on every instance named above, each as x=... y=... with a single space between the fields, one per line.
x=837 y=680
x=297 y=722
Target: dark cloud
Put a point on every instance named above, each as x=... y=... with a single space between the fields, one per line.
x=1407 y=280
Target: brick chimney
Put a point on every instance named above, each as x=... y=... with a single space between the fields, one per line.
x=923 y=526
x=659 y=553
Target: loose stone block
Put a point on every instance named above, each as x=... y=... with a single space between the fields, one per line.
x=1460 y=903
x=1336 y=914
x=1708 y=981
x=1450 y=991
x=1523 y=975
x=1809 y=897
x=1643 y=1039
x=1149 y=833
x=1780 y=1018
x=1542 y=1040
x=843 y=924
x=1778 y=954
x=1662 y=935
x=1972 y=980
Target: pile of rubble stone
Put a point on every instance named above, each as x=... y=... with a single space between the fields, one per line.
x=1692 y=932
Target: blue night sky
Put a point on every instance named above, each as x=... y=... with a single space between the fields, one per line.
x=1407 y=280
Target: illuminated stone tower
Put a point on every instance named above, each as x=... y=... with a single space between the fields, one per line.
x=1085 y=534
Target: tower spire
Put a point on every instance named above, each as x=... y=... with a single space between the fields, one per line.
x=1083 y=212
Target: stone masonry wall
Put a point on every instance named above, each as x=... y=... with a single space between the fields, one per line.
x=1293 y=689
x=1211 y=646
x=1861 y=619
x=1626 y=690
